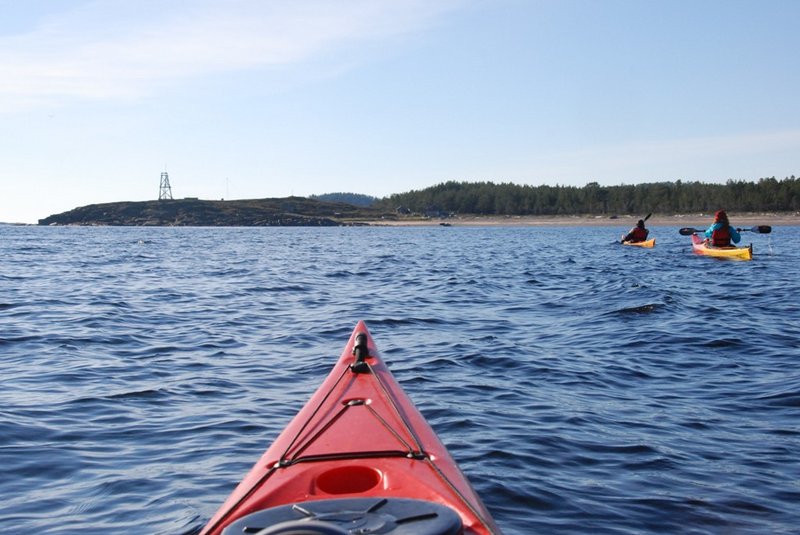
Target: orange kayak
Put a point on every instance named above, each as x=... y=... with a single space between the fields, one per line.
x=647 y=243
x=700 y=246
x=358 y=458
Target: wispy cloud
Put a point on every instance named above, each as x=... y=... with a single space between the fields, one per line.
x=120 y=49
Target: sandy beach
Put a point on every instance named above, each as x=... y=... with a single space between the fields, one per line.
x=688 y=220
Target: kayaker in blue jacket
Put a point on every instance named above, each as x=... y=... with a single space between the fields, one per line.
x=721 y=233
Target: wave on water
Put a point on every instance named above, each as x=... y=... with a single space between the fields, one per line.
x=604 y=389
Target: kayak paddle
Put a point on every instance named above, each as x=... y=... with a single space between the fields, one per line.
x=759 y=229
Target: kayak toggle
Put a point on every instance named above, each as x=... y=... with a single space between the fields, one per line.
x=361 y=352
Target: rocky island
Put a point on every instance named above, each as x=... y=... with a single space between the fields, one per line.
x=191 y=212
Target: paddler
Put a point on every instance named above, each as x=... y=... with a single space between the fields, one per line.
x=721 y=233
x=637 y=234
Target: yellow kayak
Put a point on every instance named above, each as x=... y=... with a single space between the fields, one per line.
x=700 y=246
x=647 y=243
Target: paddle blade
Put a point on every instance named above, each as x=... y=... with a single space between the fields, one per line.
x=688 y=231
x=647 y=217
x=760 y=229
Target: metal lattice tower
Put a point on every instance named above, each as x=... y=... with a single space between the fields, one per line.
x=165 y=190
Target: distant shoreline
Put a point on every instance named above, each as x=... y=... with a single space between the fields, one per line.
x=692 y=220
x=695 y=220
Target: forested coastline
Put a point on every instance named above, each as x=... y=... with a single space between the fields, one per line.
x=449 y=199
x=488 y=198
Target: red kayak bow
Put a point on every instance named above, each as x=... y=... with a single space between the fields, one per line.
x=358 y=458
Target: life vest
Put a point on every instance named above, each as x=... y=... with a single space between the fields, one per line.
x=721 y=237
x=638 y=234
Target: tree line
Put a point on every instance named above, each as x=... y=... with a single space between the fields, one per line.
x=356 y=199
x=488 y=198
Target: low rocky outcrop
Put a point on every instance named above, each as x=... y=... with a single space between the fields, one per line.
x=289 y=211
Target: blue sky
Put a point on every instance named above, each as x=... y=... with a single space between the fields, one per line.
x=258 y=98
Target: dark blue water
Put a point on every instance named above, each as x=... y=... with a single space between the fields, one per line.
x=601 y=389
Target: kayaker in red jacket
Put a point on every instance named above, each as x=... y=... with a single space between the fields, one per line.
x=721 y=233
x=637 y=233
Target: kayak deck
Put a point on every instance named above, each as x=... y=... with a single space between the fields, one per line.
x=700 y=246
x=359 y=437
